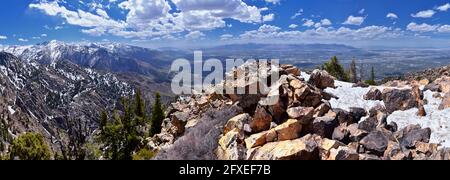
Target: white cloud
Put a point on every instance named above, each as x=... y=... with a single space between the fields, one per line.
x=226 y=37
x=392 y=16
x=352 y=20
x=156 y=18
x=194 y=35
x=102 y=13
x=293 y=26
x=43 y=35
x=269 y=17
x=297 y=14
x=323 y=34
x=444 y=7
x=22 y=40
x=424 y=14
x=308 y=23
x=3 y=37
x=273 y=1
x=444 y=29
x=325 y=22
x=36 y=37
x=421 y=27
x=361 y=11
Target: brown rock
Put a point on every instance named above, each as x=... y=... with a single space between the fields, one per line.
x=325 y=147
x=261 y=120
x=237 y=122
x=322 y=109
x=321 y=79
x=426 y=148
x=296 y=84
x=356 y=134
x=230 y=146
x=260 y=139
x=293 y=70
x=396 y=99
x=343 y=153
x=418 y=94
x=305 y=148
x=409 y=136
x=289 y=130
x=375 y=143
x=445 y=102
x=374 y=94
x=303 y=114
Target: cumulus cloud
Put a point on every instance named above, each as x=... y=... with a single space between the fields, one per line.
x=322 y=33
x=269 y=17
x=293 y=26
x=325 y=22
x=444 y=7
x=308 y=23
x=156 y=18
x=424 y=14
x=421 y=27
x=194 y=35
x=352 y=20
x=392 y=16
x=444 y=29
x=22 y=40
x=3 y=37
x=226 y=37
x=273 y=1
x=297 y=14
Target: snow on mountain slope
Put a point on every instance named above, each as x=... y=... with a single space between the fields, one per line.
x=437 y=120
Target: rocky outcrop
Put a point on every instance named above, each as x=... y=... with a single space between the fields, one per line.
x=398 y=99
x=373 y=94
x=321 y=79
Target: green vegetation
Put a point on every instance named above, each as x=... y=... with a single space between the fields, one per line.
x=371 y=81
x=336 y=69
x=30 y=146
x=123 y=135
x=144 y=154
x=157 y=116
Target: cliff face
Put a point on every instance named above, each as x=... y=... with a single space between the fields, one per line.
x=58 y=100
x=314 y=117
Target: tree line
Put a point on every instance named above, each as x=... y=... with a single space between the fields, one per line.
x=334 y=68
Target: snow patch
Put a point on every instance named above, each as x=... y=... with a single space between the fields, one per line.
x=11 y=110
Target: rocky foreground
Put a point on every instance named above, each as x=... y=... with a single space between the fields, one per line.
x=308 y=122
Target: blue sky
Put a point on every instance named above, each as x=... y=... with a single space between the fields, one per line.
x=409 y=23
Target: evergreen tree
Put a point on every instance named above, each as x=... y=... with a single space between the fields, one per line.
x=352 y=72
x=103 y=120
x=30 y=146
x=372 y=81
x=361 y=73
x=336 y=69
x=157 y=116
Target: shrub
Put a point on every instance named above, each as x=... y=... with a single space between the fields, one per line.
x=144 y=154
x=30 y=146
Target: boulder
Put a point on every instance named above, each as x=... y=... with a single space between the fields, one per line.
x=356 y=134
x=303 y=114
x=357 y=113
x=398 y=99
x=374 y=94
x=394 y=152
x=418 y=94
x=341 y=134
x=293 y=70
x=305 y=148
x=237 y=122
x=321 y=79
x=343 y=153
x=426 y=148
x=409 y=136
x=325 y=147
x=375 y=143
x=444 y=84
x=230 y=146
x=344 y=116
x=322 y=109
x=261 y=120
x=445 y=102
x=324 y=126
x=260 y=139
x=289 y=130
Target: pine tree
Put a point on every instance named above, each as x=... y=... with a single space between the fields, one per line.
x=335 y=69
x=157 y=116
x=352 y=72
x=372 y=81
x=140 y=109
